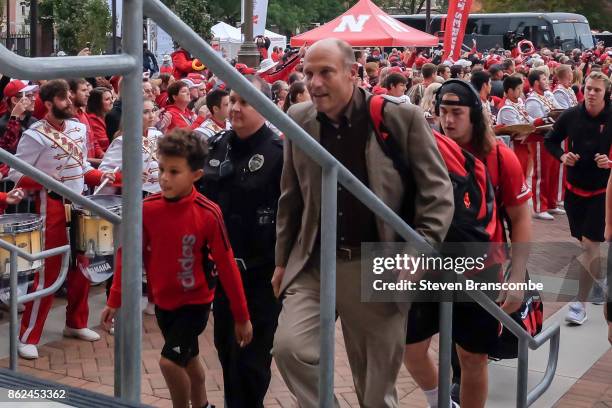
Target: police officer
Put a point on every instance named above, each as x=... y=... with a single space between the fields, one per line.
x=242 y=175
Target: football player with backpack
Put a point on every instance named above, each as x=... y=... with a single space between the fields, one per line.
x=475 y=331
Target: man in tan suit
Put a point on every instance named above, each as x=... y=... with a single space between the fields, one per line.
x=374 y=333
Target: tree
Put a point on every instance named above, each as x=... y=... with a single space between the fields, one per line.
x=402 y=6
x=291 y=16
x=227 y=11
x=596 y=11
x=194 y=13
x=78 y=23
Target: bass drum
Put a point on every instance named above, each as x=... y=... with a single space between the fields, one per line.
x=97 y=269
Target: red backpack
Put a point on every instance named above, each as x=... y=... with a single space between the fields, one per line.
x=474 y=219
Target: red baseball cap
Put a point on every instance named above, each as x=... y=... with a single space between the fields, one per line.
x=16 y=86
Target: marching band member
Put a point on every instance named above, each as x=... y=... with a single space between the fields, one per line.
x=112 y=162
x=55 y=145
x=566 y=98
x=217 y=103
x=513 y=112
x=481 y=80
x=563 y=93
x=113 y=158
x=546 y=169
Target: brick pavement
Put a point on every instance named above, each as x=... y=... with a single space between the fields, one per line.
x=90 y=365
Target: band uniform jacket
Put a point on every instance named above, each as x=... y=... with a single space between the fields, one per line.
x=56 y=153
x=299 y=209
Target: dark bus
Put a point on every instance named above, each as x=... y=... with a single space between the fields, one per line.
x=553 y=30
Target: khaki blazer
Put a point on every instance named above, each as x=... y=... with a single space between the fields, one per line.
x=299 y=207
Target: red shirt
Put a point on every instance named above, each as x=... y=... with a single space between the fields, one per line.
x=508 y=182
x=162 y=99
x=98 y=130
x=93 y=148
x=282 y=74
x=174 y=238
x=183 y=118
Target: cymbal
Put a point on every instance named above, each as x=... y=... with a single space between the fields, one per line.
x=555 y=113
x=515 y=130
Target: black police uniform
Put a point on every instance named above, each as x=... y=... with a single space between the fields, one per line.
x=243 y=177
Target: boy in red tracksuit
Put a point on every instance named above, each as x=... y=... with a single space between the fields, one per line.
x=180 y=227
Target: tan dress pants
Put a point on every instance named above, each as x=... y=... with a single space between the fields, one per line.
x=374 y=336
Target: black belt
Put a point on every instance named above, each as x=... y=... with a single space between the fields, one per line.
x=348 y=253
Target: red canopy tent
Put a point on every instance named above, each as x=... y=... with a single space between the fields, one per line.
x=366 y=25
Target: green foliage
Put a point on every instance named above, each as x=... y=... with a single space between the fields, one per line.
x=78 y=22
x=293 y=16
x=195 y=14
x=598 y=12
x=227 y=11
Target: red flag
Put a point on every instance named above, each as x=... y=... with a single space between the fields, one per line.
x=456 y=20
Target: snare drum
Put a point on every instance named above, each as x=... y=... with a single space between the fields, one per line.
x=25 y=232
x=94 y=235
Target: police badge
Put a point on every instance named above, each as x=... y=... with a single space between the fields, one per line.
x=214 y=163
x=256 y=162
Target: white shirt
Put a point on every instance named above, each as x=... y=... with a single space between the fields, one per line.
x=59 y=154
x=150 y=167
x=566 y=98
x=539 y=106
x=209 y=128
x=399 y=99
x=513 y=113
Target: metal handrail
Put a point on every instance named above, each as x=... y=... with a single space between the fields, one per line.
x=128 y=64
x=333 y=172
x=17 y=66
x=16 y=299
x=525 y=341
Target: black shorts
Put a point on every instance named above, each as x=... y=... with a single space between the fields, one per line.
x=474 y=329
x=181 y=328
x=586 y=216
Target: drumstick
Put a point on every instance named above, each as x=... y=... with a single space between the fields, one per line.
x=104 y=183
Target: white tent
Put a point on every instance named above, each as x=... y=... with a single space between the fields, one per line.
x=230 y=39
